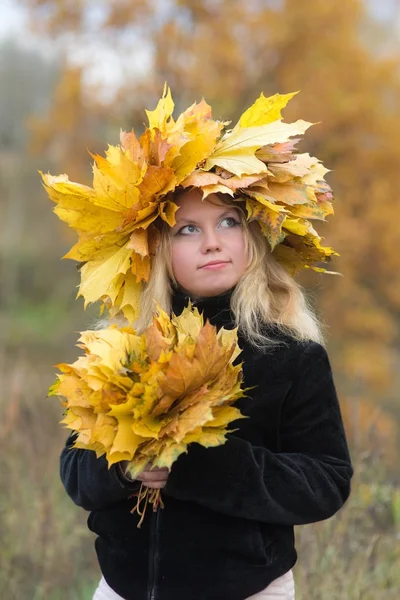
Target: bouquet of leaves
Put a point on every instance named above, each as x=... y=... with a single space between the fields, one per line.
x=144 y=398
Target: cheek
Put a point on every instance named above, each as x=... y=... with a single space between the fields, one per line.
x=182 y=260
x=239 y=254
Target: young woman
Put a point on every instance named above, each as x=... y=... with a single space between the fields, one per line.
x=226 y=532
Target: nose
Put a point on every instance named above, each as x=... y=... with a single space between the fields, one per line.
x=211 y=241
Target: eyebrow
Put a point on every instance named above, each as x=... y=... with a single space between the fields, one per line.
x=226 y=212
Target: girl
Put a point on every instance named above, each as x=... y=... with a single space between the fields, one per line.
x=226 y=531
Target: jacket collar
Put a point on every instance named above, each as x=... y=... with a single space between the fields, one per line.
x=217 y=309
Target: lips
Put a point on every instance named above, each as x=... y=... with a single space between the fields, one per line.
x=215 y=262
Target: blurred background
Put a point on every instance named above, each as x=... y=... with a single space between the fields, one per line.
x=72 y=73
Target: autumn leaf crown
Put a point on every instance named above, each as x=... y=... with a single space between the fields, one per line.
x=255 y=163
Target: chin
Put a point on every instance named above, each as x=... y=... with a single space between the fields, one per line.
x=214 y=286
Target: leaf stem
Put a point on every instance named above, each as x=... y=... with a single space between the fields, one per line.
x=152 y=496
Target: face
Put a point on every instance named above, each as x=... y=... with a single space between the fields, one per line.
x=208 y=245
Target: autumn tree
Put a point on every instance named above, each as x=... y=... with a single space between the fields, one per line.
x=228 y=51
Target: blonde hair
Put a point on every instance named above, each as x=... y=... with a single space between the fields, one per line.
x=265 y=294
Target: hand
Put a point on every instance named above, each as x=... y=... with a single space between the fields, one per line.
x=155 y=477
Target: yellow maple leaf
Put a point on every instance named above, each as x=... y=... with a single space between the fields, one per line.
x=105 y=276
x=236 y=150
x=209 y=437
x=195 y=151
x=156 y=181
x=270 y=217
x=223 y=415
x=265 y=110
x=167 y=212
x=158 y=118
x=219 y=188
x=166 y=456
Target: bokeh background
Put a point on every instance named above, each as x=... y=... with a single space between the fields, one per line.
x=72 y=73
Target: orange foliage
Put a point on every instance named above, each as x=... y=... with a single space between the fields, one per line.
x=369 y=426
x=231 y=50
x=66 y=132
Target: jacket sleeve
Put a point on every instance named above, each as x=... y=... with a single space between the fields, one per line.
x=307 y=481
x=88 y=480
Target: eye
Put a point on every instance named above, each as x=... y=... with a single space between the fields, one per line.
x=187 y=230
x=230 y=222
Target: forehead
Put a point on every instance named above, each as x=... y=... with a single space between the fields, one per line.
x=191 y=205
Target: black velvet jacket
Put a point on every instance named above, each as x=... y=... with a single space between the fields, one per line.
x=226 y=531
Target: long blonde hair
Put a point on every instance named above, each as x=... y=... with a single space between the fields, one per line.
x=265 y=294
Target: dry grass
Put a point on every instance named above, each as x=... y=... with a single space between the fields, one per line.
x=47 y=552
x=356 y=554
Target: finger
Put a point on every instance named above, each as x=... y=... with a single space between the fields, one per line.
x=153 y=475
x=151 y=478
x=153 y=482
x=156 y=485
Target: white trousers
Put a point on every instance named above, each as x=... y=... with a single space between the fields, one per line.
x=280 y=589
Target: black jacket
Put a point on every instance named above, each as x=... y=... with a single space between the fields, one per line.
x=226 y=531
